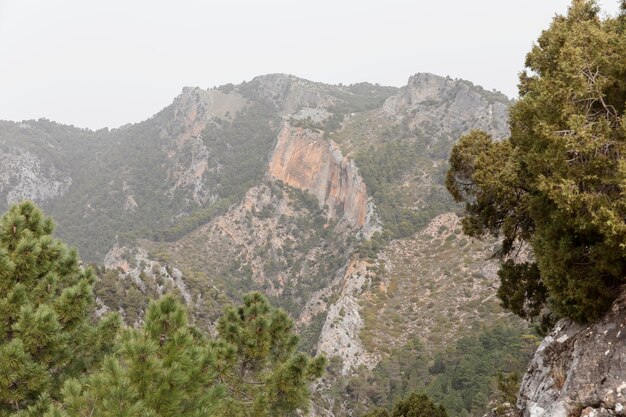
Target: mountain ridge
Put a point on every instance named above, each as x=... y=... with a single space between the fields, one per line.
x=311 y=193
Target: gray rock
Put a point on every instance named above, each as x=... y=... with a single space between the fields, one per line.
x=579 y=370
x=25 y=176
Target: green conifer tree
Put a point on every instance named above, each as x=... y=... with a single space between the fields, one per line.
x=258 y=363
x=418 y=405
x=415 y=405
x=46 y=331
x=559 y=182
x=167 y=368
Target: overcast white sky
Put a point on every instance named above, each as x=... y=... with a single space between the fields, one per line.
x=109 y=62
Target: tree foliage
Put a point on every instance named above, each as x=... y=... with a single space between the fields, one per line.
x=169 y=368
x=463 y=377
x=558 y=182
x=415 y=405
x=258 y=363
x=165 y=368
x=46 y=331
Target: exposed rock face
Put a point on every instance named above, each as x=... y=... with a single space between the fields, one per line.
x=503 y=410
x=193 y=110
x=340 y=334
x=24 y=176
x=305 y=160
x=449 y=106
x=579 y=370
x=289 y=94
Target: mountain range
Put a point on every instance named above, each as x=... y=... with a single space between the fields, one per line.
x=330 y=199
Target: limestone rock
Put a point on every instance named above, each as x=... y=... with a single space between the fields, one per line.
x=193 y=110
x=24 y=176
x=503 y=410
x=340 y=334
x=448 y=106
x=579 y=370
x=289 y=94
x=305 y=160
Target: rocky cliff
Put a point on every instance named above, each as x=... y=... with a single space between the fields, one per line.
x=448 y=106
x=289 y=94
x=25 y=176
x=188 y=155
x=579 y=370
x=305 y=160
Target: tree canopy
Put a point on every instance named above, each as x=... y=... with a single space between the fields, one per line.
x=168 y=368
x=46 y=331
x=558 y=183
x=415 y=405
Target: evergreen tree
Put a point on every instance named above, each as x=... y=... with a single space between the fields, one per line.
x=258 y=363
x=415 y=405
x=168 y=368
x=379 y=412
x=46 y=332
x=418 y=405
x=558 y=183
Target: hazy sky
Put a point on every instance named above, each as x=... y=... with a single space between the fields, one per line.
x=109 y=62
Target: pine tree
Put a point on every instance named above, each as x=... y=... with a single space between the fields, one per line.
x=418 y=405
x=46 y=331
x=415 y=405
x=558 y=183
x=168 y=368
x=258 y=363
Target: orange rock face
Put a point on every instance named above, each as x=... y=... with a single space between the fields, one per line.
x=305 y=160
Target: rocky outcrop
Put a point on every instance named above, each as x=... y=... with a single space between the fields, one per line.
x=289 y=94
x=193 y=110
x=305 y=160
x=133 y=262
x=447 y=106
x=24 y=176
x=579 y=370
x=340 y=334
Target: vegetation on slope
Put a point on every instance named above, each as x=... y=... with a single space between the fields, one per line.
x=467 y=376
x=238 y=152
x=110 y=167
x=264 y=249
x=432 y=286
x=402 y=157
x=415 y=405
x=386 y=169
x=59 y=362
